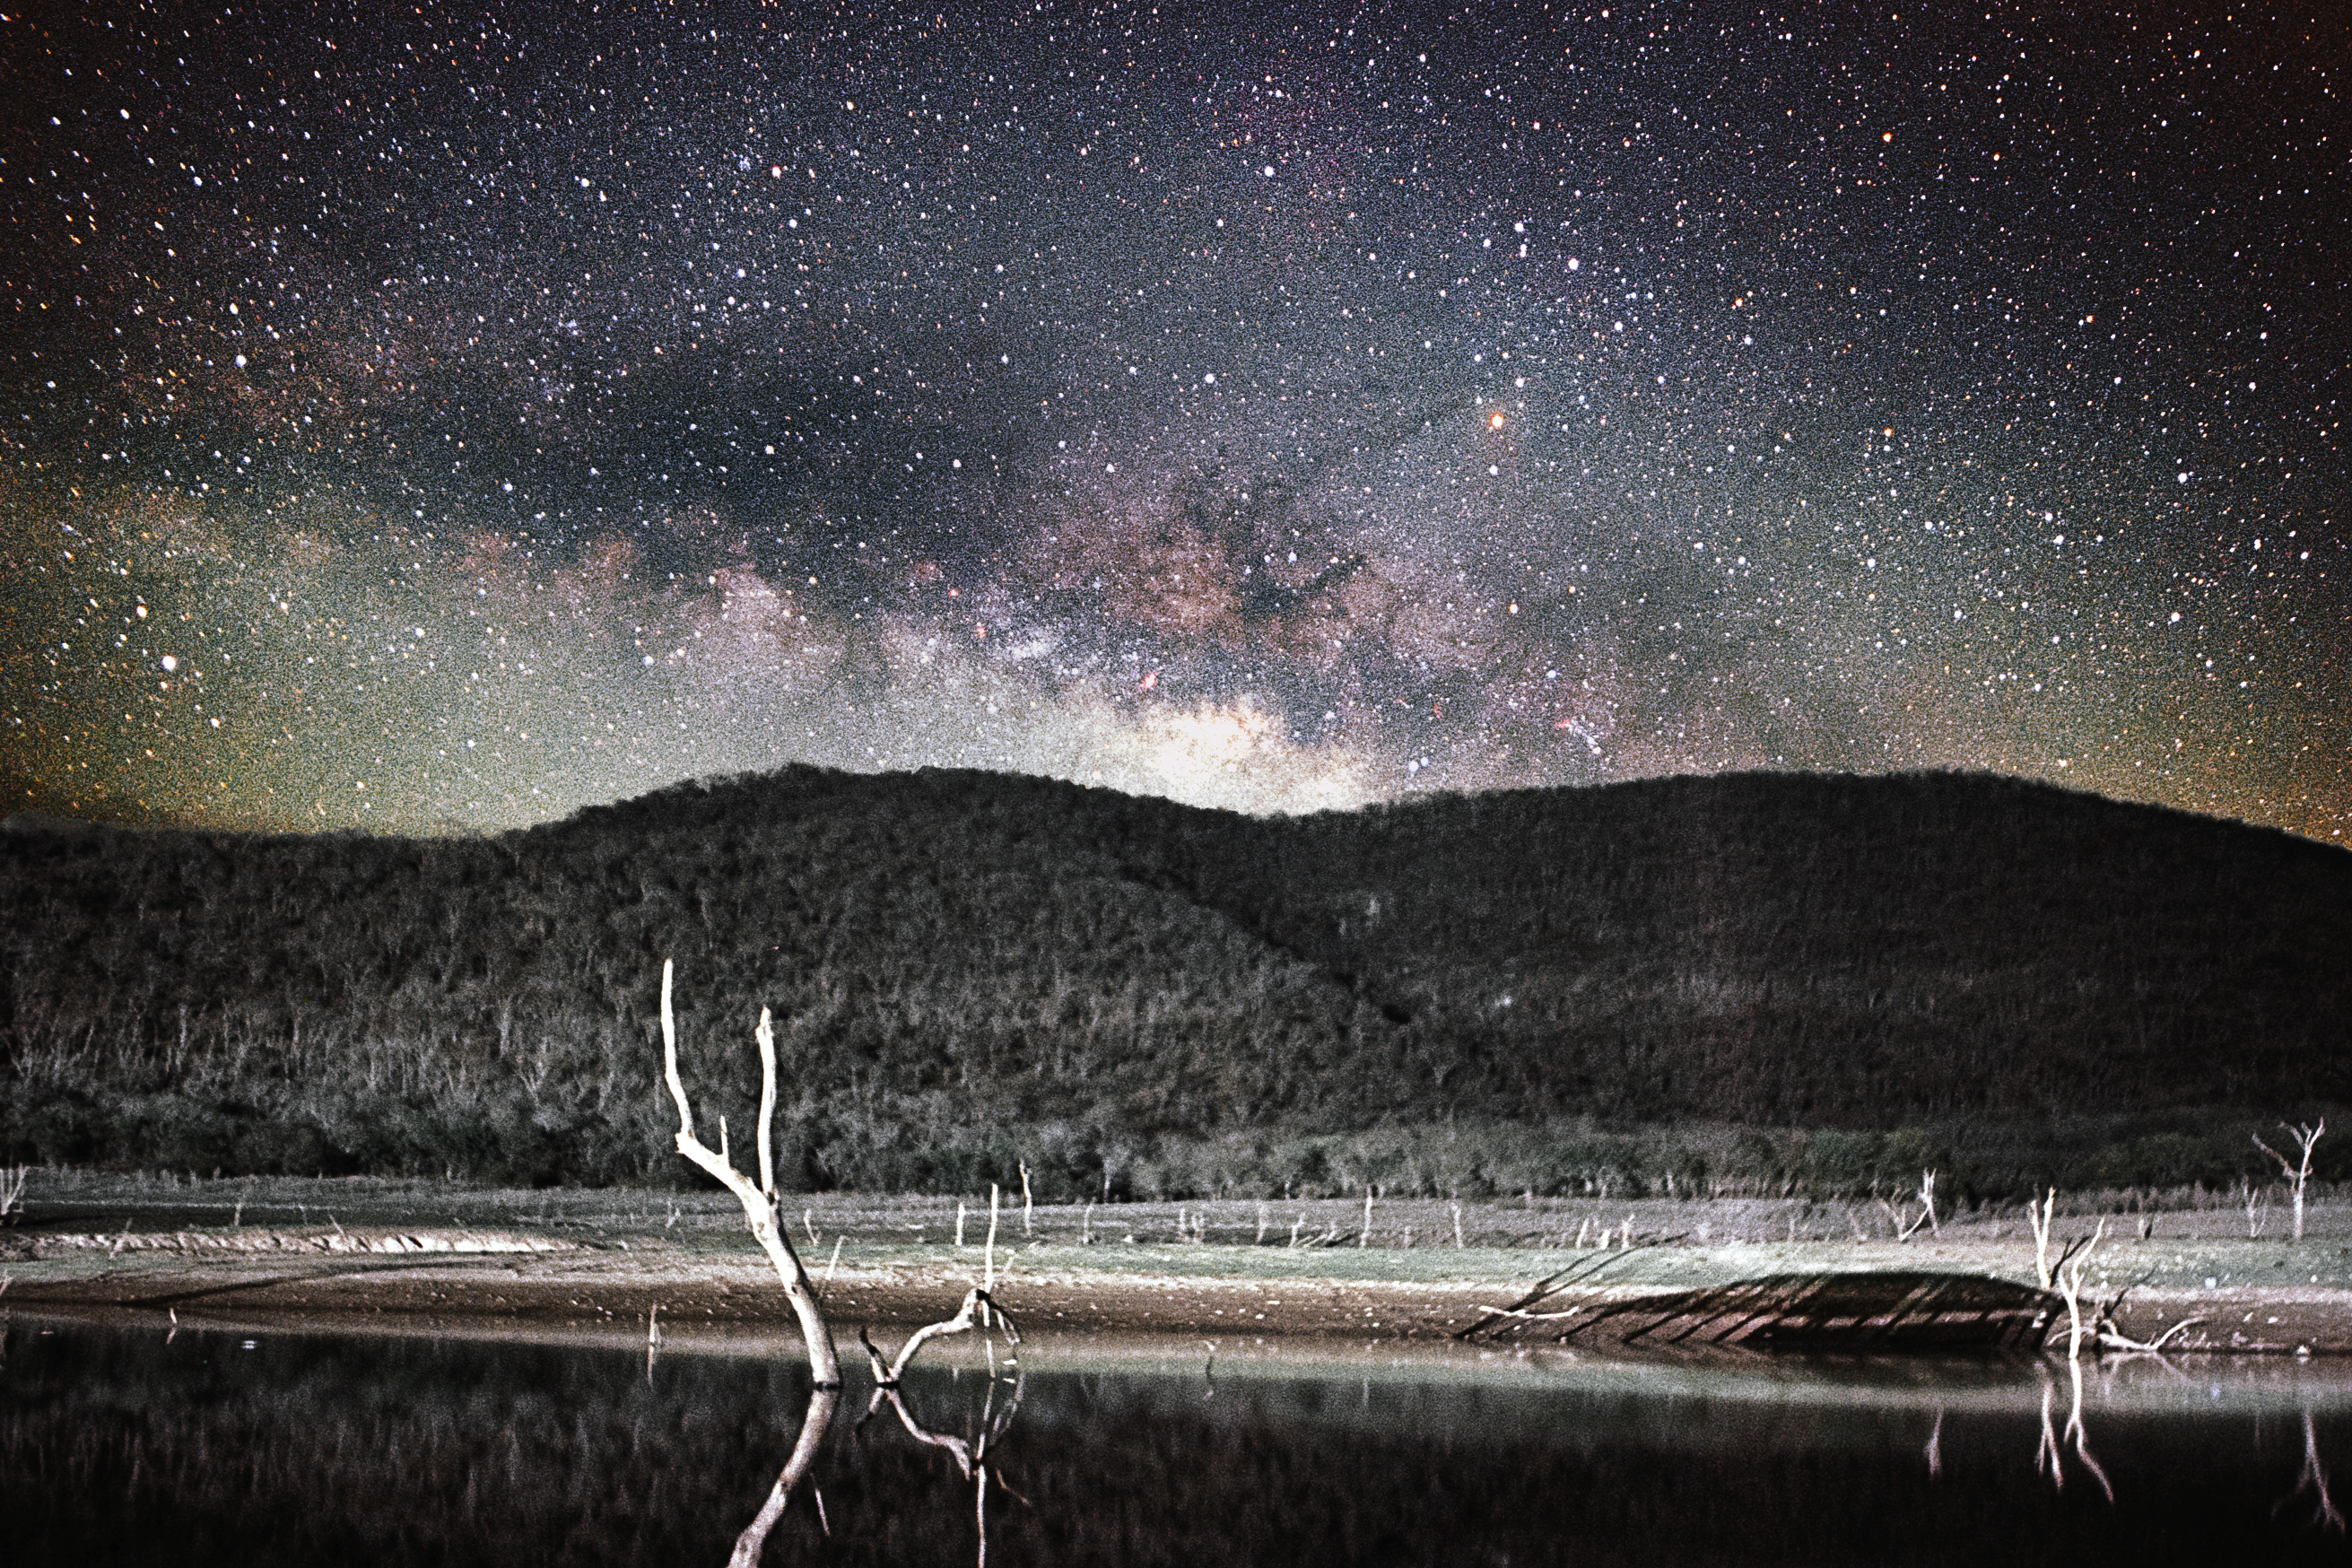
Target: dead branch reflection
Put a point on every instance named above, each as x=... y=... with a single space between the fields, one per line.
x=283 y=1451
x=823 y=1400
x=970 y=1454
x=2314 y=1479
x=2048 y=1460
x=1001 y=1401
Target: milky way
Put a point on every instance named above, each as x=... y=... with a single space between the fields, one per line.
x=447 y=418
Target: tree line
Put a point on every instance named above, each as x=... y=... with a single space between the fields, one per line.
x=1148 y=996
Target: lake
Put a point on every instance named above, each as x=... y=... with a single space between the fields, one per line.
x=205 y=1446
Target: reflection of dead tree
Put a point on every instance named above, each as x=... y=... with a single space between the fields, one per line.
x=758 y=1202
x=971 y=1458
x=2046 y=1455
x=2314 y=1479
x=2048 y=1460
x=2297 y=1173
x=2082 y=1439
x=823 y=1399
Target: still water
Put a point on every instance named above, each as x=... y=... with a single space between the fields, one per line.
x=123 y=1446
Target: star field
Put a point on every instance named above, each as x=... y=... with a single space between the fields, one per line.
x=448 y=417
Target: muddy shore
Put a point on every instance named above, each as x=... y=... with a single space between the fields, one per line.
x=436 y=1257
x=487 y=1282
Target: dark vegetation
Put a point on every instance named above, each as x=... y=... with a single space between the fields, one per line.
x=1756 y=982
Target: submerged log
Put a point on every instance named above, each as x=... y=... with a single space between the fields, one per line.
x=1895 y=1312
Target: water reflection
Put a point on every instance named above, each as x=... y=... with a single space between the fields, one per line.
x=2048 y=1460
x=2314 y=1479
x=295 y=1449
x=823 y=1400
x=970 y=1454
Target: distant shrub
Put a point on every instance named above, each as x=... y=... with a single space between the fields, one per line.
x=1838 y=1164
x=2166 y=1160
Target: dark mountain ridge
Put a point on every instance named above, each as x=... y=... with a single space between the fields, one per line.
x=965 y=966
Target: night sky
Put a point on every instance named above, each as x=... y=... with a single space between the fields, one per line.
x=449 y=416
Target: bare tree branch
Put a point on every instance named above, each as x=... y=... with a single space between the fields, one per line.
x=2297 y=1173
x=766 y=1035
x=979 y=1310
x=759 y=1212
x=2040 y=1214
x=2069 y=1286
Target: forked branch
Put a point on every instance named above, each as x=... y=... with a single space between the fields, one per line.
x=2041 y=1215
x=2298 y=1173
x=979 y=1310
x=759 y=1206
x=1904 y=1230
x=2325 y=1513
x=2079 y=1327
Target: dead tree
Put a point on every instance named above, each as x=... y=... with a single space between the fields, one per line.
x=979 y=1310
x=2069 y=1279
x=1904 y=1230
x=2095 y=1325
x=758 y=1202
x=2045 y=1272
x=2297 y=1173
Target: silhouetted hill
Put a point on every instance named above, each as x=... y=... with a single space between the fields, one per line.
x=970 y=968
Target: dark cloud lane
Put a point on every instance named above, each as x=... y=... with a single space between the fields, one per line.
x=449 y=419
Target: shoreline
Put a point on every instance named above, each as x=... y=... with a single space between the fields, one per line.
x=361 y=1252
x=490 y=1283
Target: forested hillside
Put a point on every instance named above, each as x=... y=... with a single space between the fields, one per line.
x=1812 y=977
